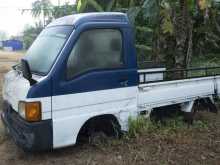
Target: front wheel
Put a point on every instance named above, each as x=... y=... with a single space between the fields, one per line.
x=99 y=130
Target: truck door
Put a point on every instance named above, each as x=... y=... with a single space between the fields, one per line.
x=98 y=79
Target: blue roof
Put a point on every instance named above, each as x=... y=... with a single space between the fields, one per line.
x=77 y=19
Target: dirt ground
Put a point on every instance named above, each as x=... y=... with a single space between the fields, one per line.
x=184 y=146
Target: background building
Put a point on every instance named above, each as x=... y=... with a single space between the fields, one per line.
x=12 y=45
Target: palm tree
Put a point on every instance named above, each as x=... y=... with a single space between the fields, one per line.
x=88 y=6
x=60 y=11
x=42 y=7
x=104 y=5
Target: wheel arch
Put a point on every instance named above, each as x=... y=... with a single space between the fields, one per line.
x=97 y=119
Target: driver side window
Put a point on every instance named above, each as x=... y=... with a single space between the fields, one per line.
x=95 y=49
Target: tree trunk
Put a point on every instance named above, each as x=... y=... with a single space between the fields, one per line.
x=190 y=46
x=182 y=26
x=156 y=57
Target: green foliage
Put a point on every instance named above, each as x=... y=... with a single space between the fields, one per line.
x=94 y=5
x=151 y=9
x=144 y=52
x=207 y=32
x=60 y=11
x=138 y=126
x=174 y=31
x=133 y=13
x=167 y=26
x=41 y=6
x=209 y=60
x=49 y=12
x=141 y=125
x=30 y=33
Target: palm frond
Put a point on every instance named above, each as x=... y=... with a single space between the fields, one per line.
x=95 y=4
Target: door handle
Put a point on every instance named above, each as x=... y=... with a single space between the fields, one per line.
x=124 y=83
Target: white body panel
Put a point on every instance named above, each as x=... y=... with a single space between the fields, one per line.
x=15 y=89
x=70 y=112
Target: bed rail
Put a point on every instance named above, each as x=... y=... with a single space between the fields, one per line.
x=180 y=74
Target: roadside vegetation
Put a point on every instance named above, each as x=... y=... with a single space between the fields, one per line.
x=141 y=125
x=171 y=32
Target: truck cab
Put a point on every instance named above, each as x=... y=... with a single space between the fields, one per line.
x=82 y=68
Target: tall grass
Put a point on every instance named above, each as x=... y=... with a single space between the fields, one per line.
x=141 y=125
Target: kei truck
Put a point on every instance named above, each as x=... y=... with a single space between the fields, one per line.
x=81 y=75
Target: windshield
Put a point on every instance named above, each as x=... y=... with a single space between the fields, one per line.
x=46 y=48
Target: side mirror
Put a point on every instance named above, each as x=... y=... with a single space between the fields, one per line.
x=27 y=72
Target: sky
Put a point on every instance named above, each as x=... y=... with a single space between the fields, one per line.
x=12 y=21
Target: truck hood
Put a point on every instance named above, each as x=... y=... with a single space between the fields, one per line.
x=15 y=88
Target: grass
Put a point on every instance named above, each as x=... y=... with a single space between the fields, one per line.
x=212 y=61
x=170 y=129
x=138 y=126
x=141 y=125
x=6 y=56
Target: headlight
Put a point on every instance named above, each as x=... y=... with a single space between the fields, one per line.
x=30 y=111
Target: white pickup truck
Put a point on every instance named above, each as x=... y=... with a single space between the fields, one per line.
x=81 y=76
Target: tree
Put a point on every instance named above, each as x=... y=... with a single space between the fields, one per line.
x=3 y=35
x=206 y=29
x=182 y=26
x=93 y=5
x=42 y=7
x=60 y=11
x=177 y=25
x=30 y=33
x=170 y=30
x=106 y=5
x=49 y=12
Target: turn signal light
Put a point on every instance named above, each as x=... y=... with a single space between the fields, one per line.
x=31 y=111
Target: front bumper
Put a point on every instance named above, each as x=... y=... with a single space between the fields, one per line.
x=35 y=136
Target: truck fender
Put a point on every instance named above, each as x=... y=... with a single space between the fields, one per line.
x=99 y=123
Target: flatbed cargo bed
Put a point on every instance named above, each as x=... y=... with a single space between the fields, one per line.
x=167 y=90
